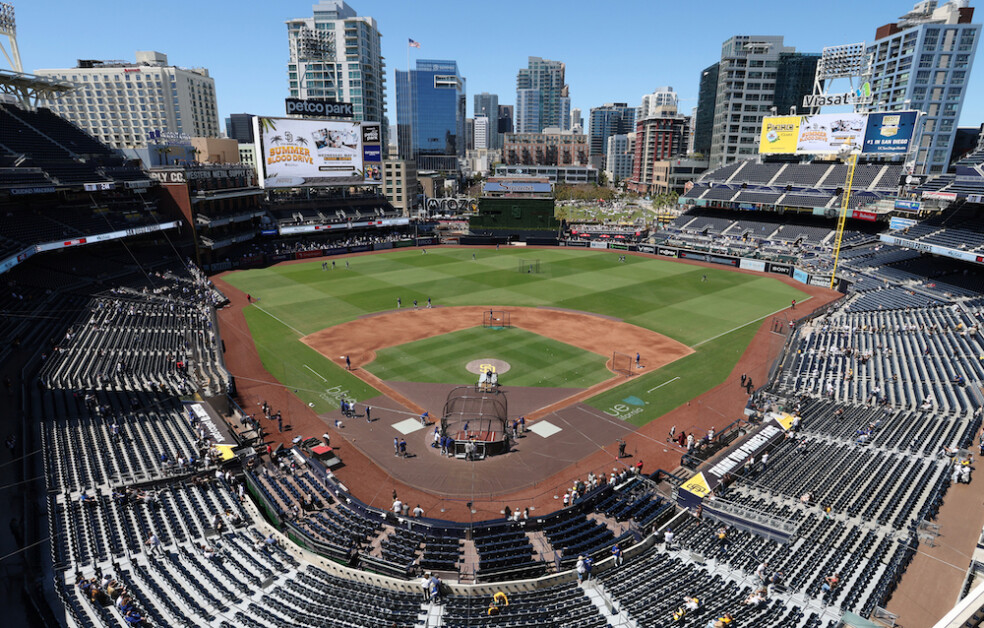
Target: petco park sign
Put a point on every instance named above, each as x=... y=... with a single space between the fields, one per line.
x=318 y=108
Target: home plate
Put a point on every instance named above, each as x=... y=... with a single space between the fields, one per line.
x=546 y=429
x=408 y=425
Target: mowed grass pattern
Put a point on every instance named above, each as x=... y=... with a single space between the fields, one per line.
x=533 y=360
x=661 y=295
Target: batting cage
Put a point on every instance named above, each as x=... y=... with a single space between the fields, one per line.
x=622 y=363
x=496 y=319
x=530 y=266
x=476 y=421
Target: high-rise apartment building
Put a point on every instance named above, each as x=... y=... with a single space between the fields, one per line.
x=124 y=105
x=662 y=97
x=619 y=156
x=661 y=136
x=756 y=74
x=481 y=132
x=923 y=62
x=336 y=55
x=542 y=98
x=430 y=115
x=577 y=121
x=614 y=118
x=486 y=104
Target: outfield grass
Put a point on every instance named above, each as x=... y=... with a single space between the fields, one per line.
x=661 y=295
x=533 y=359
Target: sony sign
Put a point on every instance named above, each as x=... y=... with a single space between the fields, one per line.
x=318 y=108
x=833 y=100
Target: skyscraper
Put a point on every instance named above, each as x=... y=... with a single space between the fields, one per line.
x=614 y=118
x=505 y=119
x=487 y=105
x=336 y=55
x=704 y=119
x=542 y=98
x=239 y=126
x=756 y=74
x=923 y=62
x=136 y=100
x=430 y=115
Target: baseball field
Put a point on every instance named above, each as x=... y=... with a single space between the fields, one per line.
x=716 y=318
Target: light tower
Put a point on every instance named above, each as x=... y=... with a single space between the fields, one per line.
x=8 y=27
x=27 y=89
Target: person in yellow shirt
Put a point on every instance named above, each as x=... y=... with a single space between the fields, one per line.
x=500 y=599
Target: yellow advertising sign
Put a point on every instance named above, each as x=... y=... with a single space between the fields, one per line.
x=785 y=420
x=697 y=485
x=779 y=135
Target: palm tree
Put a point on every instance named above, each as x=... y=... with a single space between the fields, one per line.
x=301 y=141
x=276 y=139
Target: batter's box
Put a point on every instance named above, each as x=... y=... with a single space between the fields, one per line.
x=407 y=426
x=546 y=429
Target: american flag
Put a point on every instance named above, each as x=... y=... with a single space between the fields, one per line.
x=414 y=44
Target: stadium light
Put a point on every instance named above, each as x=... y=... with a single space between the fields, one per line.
x=8 y=25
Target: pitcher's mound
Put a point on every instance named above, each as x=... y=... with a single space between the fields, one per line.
x=483 y=364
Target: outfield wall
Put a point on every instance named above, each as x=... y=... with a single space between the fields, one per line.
x=734 y=261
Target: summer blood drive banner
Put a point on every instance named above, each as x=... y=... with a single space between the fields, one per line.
x=830 y=132
x=310 y=152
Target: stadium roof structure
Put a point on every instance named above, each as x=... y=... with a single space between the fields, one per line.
x=28 y=89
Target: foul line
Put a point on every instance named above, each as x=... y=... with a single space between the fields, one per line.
x=760 y=318
x=315 y=372
x=663 y=384
x=293 y=329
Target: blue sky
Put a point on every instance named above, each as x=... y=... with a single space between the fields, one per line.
x=615 y=51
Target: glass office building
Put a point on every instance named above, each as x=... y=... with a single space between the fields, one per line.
x=430 y=115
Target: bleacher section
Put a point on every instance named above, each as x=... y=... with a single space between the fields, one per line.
x=883 y=383
x=796 y=185
x=809 y=244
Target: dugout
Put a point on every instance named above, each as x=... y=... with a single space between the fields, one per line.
x=477 y=417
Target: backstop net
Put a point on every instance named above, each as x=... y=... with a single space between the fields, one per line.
x=478 y=416
x=496 y=319
x=529 y=266
x=622 y=363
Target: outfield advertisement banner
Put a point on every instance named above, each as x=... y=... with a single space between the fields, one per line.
x=801 y=276
x=309 y=254
x=595 y=244
x=646 y=248
x=932 y=248
x=311 y=152
x=828 y=133
x=752 y=264
x=889 y=133
x=779 y=135
x=895 y=223
x=885 y=133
